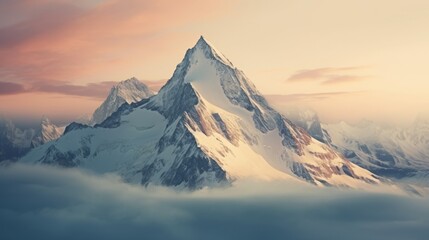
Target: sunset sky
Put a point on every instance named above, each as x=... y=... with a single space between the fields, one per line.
x=348 y=60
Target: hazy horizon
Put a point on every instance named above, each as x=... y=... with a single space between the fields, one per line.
x=282 y=106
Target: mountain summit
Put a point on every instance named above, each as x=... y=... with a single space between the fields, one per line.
x=128 y=91
x=47 y=132
x=207 y=126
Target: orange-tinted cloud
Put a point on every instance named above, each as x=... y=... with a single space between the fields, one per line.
x=328 y=75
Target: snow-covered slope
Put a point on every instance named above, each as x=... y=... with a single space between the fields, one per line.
x=207 y=126
x=47 y=132
x=128 y=91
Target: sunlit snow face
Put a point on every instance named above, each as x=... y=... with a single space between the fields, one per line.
x=39 y=203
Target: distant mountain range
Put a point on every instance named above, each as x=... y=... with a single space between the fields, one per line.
x=16 y=142
x=391 y=152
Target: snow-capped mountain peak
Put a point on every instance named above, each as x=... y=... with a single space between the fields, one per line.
x=131 y=90
x=211 y=51
x=206 y=73
x=128 y=91
x=45 y=120
x=47 y=132
x=14 y=141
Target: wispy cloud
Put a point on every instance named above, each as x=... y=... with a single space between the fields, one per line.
x=300 y=97
x=154 y=85
x=328 y=75
x=93 y=90
x=42 y=203
x=7 y=88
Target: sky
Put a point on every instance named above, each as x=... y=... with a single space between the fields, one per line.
x=347 y=60
x=41 y=202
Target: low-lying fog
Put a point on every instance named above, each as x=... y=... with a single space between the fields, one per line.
x=48 y=203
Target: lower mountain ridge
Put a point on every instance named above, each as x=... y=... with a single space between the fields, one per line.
x=15 y=141
x=207 y=126
x=398 y=153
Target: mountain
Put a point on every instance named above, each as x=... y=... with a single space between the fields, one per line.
x=390 y=152
x=308 y=120
x=398 y=153
x=14 y=141
x=17 y=141
x=207 y=126
x=47 y=132
x=128 y=91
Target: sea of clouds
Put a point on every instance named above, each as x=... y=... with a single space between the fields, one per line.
x=39 y=202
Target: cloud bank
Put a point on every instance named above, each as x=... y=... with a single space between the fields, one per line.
x=46 y=203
